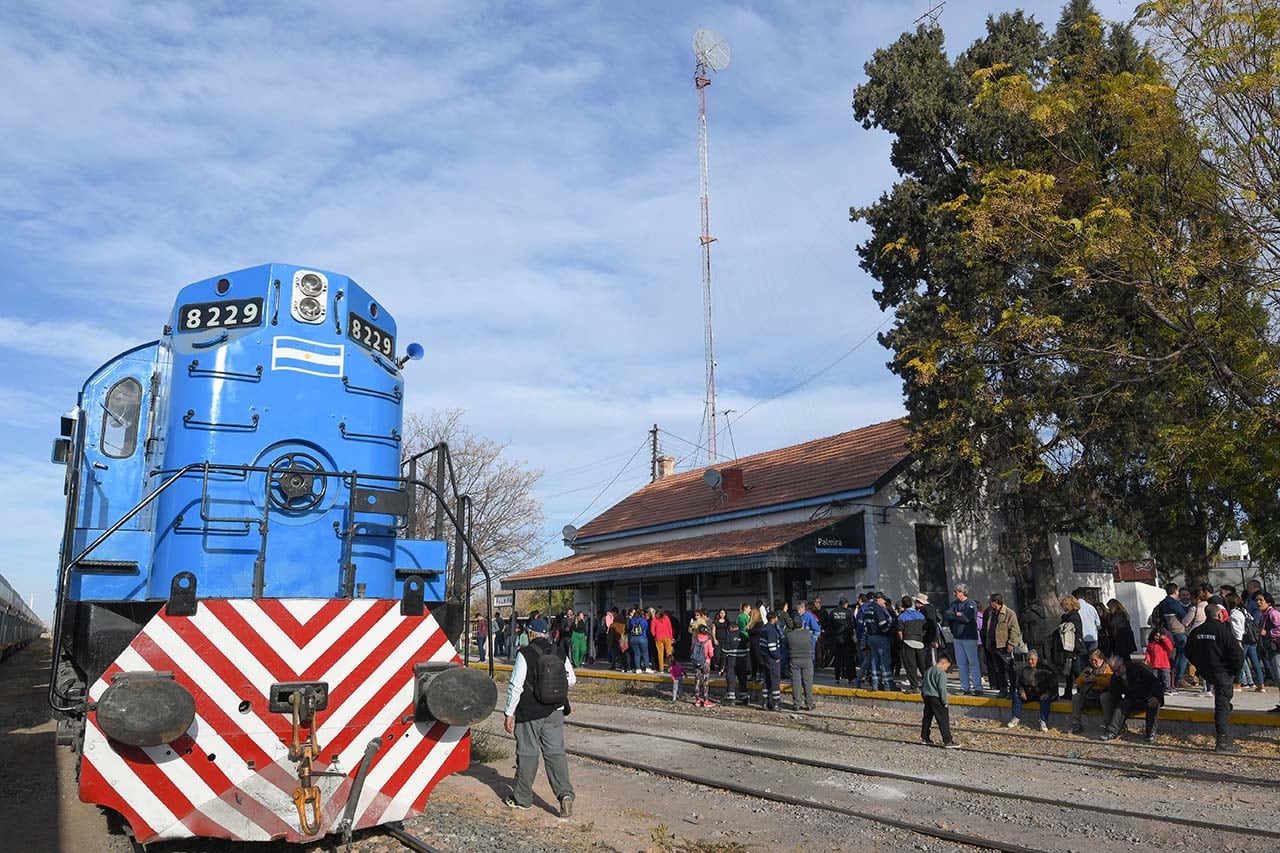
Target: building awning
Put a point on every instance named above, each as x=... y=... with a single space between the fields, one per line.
x=774 y=547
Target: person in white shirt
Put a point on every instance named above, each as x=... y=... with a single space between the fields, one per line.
x=539 y=725
x=1090 y=625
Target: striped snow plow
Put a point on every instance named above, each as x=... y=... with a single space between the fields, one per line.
x=306 y=717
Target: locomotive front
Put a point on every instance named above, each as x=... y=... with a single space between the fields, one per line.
x=246 y=644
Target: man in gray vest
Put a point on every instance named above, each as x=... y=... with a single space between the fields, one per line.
x=537 y=698
x=800 y=644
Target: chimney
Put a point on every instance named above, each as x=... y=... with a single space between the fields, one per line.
x=666 y=466
x=732 y=484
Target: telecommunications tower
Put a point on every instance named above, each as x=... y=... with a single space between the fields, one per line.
x=711 y=52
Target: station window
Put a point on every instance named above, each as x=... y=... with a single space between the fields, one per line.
x=121 y=411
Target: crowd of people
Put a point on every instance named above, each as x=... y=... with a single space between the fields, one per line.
x=1210 y=640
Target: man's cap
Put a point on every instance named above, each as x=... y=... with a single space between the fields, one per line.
x=881 y=595
x=843 y=601
x=538 y=626
x=920 y=598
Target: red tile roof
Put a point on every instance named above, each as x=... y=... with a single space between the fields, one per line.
x=850 y=461
x=734 y=543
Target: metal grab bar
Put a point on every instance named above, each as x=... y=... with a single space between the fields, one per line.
x=367 y=436
x=395 y=395
x=189 y=419
x=194 y=369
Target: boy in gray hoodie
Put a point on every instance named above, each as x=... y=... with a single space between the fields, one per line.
x=933 y=691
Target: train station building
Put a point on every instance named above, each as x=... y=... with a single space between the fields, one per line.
x=817 y=519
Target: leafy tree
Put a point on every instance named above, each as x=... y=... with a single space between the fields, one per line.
x=1223 y=57
x=1074 y=310
x=506 y=517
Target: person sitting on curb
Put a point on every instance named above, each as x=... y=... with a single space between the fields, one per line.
x=1036 y=682
x=1092 y=685
x=1135 y=689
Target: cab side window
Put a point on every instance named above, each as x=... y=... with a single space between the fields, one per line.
x=121 y=411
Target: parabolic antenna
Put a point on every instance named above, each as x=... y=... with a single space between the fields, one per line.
x=712 y=478
x=711 y=49
x=569 y=532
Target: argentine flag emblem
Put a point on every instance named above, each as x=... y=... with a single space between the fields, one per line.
x=304 y=356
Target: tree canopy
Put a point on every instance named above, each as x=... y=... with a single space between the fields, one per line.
x=1081 y=331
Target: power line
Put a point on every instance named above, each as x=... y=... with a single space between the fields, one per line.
x=803 y=382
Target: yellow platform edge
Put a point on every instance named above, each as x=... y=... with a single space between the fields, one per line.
x=1184 y=715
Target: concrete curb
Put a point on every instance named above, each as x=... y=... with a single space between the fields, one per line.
x=974 y=706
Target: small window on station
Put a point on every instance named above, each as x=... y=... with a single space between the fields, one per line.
x=121 y=411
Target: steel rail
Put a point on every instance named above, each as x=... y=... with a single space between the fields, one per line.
x=1010 y=733
x=975 y=790
x=411 y=841
x=786 y=799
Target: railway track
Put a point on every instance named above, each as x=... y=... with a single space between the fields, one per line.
x=1057 y=738
x=821 y=723
x=408 y=840
x=951 y=804
x=934 y=782
x=1041 y=738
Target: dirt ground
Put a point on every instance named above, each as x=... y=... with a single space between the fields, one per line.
x=39 y=809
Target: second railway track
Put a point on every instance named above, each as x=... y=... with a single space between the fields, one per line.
x=685 y=749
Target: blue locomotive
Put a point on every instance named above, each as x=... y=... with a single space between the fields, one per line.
x=251 y=642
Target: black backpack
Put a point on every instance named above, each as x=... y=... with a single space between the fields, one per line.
x=1251 y=632
x=550 y=682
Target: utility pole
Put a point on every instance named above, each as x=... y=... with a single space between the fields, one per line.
x=653 y=464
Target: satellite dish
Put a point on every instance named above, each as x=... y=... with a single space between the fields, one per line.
x=569 y=532
x=711 y=49
x=712 y=478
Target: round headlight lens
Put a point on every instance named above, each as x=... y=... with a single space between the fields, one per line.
x=309 y=307
x=311 y=284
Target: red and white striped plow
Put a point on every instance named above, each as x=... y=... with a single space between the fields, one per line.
x=230 y=775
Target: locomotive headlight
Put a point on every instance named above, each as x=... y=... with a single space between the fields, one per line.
x=310 y=309
x=310 y=296
x=310 y=284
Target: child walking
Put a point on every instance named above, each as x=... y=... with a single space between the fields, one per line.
x=1159 y=655
x=701 y=652
x=933 y=690
x=677 y=677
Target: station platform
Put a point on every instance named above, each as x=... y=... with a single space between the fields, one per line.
x=1183 y=706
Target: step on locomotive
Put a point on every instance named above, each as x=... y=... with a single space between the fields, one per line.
x=250 y=641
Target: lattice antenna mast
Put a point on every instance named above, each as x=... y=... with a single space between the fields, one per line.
x=934 y=13
x=711 y=53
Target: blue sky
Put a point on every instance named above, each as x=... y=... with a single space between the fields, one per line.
x=517 y=182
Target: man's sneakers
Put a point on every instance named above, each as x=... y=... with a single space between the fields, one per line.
x=566 y=807
x=1044 y=727
x=510 y=802
x=1013 y=723
x=950 y=745
x=924 y=741
x=1226 y=746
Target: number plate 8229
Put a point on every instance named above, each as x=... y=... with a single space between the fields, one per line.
x=224 y=314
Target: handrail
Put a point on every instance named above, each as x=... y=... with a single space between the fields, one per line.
x=65 y=574
x=55 y=699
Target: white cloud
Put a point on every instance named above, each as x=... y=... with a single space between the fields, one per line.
x=516 y=183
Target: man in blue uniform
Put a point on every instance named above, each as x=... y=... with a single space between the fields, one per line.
x=771 y=641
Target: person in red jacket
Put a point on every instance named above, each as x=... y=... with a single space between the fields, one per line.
x=660 y=627
x=1160 y=656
